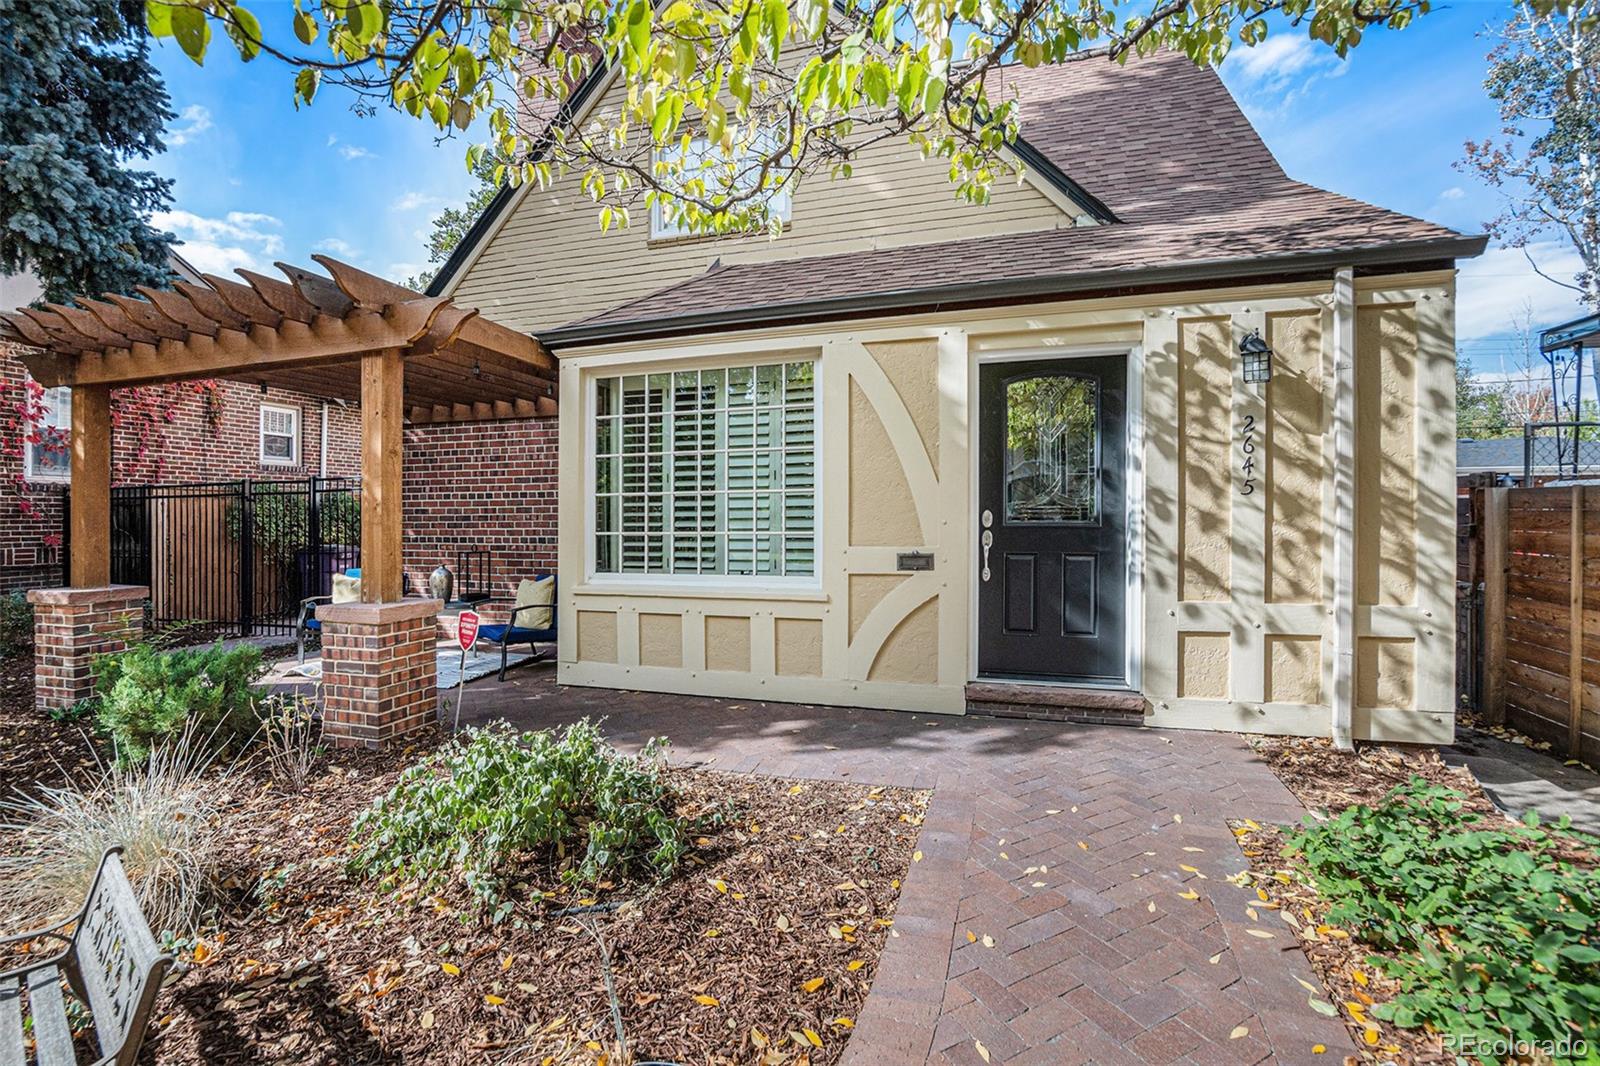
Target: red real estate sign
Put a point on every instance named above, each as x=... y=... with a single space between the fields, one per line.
x=467 y=629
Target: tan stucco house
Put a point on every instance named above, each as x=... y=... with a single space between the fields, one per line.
x=924 y=455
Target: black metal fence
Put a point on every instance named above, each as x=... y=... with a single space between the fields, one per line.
x=1555 y=450
x=233 y=558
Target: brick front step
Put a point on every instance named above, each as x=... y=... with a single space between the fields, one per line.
x=1056 y=703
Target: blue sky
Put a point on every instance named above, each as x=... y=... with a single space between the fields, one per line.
x=257 y=180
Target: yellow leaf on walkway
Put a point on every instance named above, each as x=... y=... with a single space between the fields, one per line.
x=845 y=1022
x=1239 y=1032
x=494 y=1001
x=1319 y=1049
x=983 y=1052
x=814 y=984
x=450 y=968
x=1261 y=933
x=813 y=1038
x=916 y=856
x=1189 y=895
x=707 y=1001
x=855 y=964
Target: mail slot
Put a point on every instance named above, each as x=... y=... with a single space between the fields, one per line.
x=914 y=561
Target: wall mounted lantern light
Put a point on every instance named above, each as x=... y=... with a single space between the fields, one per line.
x=1255 y=358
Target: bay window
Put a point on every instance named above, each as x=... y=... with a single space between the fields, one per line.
x=708 y=472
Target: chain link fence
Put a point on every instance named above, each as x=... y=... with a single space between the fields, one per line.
x=1553 y=451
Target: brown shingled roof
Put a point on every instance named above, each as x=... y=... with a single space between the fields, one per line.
x=1161 y=142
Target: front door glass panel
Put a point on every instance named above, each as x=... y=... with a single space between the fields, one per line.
x=1052 y=454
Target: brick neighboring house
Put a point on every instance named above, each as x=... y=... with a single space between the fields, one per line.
x=206 y=439
x=479 y=485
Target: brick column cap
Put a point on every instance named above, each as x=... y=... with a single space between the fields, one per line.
x=373 y=614
x=94 y=595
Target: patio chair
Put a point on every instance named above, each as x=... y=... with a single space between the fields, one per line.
x=520 y=628
x=346 y=589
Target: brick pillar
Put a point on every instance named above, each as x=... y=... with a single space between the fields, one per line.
x=70 y=628
x=380 y=671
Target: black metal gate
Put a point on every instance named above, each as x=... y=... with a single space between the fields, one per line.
x=234 y=558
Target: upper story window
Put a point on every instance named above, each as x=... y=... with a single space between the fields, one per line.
x=780 y=202
x=707 y=472
x=50 y=455
x=280 y=435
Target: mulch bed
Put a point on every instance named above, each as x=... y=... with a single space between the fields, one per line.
x=1327 y=779
x=35 y=749
x=761 y=948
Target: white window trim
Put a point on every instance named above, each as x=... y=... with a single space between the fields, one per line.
x=55 y=477
x=294 y=436
x=732 y=585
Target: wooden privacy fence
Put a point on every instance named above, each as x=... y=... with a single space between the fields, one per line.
x=1541 y=615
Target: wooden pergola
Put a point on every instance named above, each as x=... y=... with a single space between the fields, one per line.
x=345 y=335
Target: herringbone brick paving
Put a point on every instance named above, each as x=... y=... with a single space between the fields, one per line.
x=1045 y=920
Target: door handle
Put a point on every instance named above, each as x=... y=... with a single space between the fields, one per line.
x=988 y=542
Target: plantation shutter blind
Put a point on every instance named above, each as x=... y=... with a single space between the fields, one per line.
x=707 y=472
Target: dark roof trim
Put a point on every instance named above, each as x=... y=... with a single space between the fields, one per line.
x=1035 y=161
x=1580 y=331
x=484 y=223
x=1017 y=290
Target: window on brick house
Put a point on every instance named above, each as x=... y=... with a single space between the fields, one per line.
x=50 y=457
x=280 y=435
x=707 y=472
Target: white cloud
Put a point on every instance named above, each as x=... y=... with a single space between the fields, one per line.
x=354 y=151
x=194 y=120
x=411 y=201
x=1279 y=70
x=1454 y=192
x=337 y=247
x=399 y=272
x=218 y=245
x=1497 y=290
x=1275 y=58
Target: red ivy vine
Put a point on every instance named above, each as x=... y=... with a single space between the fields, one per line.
x=141 y=415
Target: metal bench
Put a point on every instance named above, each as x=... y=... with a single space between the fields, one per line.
x=111 y=963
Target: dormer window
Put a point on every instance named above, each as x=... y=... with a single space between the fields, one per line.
x=779 y=201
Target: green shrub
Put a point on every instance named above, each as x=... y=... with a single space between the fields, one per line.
x=1494 y=931
x=491 y=795
x=147 y=695
x=16 y=625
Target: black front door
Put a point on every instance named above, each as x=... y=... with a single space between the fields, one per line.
x=1052 y=536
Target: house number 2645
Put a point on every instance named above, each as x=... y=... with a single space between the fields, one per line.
x=1247 y=449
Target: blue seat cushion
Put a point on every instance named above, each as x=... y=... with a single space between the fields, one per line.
x=312 y=623
x=504 y=634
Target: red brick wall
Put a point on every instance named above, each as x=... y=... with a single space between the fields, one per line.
x=184 y=446
x=482 y=485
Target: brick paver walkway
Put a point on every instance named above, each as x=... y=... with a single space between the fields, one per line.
x=1063 y=845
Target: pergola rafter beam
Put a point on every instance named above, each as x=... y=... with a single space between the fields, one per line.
x=308 y=333
x=349 y=335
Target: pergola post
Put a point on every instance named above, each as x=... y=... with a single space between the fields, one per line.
x=382 y=428
x=90 y=563
x=73 y=626
x=380 y=666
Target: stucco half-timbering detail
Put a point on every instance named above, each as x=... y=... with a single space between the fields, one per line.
x=1232 y=573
